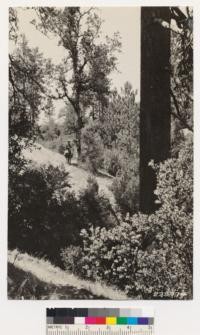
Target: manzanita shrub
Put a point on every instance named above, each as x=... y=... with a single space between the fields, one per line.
x=147 y=256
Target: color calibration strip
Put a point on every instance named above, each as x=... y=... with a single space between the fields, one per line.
x=98 y=321
x=96 y=312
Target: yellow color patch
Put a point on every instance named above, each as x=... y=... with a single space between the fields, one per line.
x=111 y=321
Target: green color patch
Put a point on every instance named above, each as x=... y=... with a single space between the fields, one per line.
x=122 y=321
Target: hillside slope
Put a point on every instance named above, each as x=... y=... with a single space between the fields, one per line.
x=78 y=176
x=33 y=278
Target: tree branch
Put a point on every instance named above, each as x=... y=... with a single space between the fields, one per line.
x=178 y=114
x=25 y=71
x=72 y=102
x=82 y=66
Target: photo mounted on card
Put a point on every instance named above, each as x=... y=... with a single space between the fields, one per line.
x=100 y=153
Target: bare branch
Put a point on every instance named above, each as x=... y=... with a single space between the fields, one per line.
x=178 y=114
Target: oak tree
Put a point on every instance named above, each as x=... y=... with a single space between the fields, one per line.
x=82 y=78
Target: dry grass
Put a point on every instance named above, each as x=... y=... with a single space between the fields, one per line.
x=45 y=272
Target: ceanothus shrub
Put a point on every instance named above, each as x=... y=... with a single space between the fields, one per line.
x=148 y=256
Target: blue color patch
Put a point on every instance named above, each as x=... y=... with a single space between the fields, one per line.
x=132 y=321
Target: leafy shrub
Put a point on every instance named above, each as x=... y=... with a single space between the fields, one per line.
x=148 y=256
x=175 y=180
x=111 y=162
x=125 y=187
x=71 y=258
x=44 y=216
x=44 y=212
x=92 y=147
x=95 y=208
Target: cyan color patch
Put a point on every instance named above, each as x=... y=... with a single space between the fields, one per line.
x=132 y=321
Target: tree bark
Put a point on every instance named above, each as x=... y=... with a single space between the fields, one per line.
x=155 y=99
x=78 y=137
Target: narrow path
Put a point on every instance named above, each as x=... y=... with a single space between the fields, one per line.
x=67 y=284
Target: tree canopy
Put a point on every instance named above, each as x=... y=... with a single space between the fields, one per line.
x=82 y=78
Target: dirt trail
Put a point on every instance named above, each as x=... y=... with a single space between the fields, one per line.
x=78 y=176
x=63 y=285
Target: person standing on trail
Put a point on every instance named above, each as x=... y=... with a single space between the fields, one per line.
x=68 y=152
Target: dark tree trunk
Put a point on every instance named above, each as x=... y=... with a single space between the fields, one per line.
x=155 y=99
x=80 y=125
x=78 y=139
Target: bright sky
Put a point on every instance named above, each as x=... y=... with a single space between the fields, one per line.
x=125 y=20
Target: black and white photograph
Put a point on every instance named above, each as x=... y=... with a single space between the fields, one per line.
x=100 y=190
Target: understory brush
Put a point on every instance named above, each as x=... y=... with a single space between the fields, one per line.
x=46 y=216
x=125 y=187
x=147 y=256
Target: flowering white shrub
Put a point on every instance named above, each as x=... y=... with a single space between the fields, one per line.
x=148 y=256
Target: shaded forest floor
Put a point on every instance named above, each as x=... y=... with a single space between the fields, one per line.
x=33 y=278
x=78 y=176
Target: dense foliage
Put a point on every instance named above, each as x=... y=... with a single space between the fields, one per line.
x=109 y=141
x=147 y=256
x=125 y=187
x=82 y=79
x=27 y=81
x=92 y=147
x=119 y=128
x=181 y=78
x=36 y=208
x=43 y=212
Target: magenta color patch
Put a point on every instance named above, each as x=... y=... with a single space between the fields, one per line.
x=90 y=320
